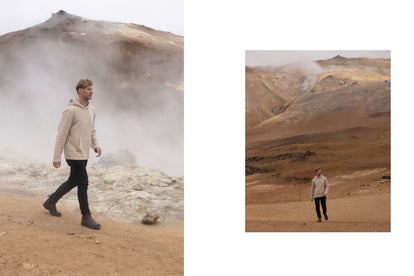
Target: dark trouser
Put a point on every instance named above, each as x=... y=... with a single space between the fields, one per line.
x=319 y=200
x=78 y=177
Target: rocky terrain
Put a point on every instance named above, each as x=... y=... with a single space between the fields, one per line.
x=333 y=114
x=120 y=191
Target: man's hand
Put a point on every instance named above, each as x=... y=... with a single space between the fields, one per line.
x=98 y=150
x=56 y=165
x=324 y=194
x=311 y=199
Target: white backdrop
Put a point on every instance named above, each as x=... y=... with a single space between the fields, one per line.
x=217 y=33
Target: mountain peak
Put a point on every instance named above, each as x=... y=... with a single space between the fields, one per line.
x=62 y=15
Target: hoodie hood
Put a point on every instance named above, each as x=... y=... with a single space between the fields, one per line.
x=317 y=177
x=75 y=102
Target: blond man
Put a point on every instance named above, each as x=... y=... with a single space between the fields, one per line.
x=75 y=136
x=319 y=189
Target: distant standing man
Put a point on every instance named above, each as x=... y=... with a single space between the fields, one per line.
x=76 y=134
x=319 y=189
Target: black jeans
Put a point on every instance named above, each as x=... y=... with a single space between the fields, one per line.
x=319 y=200
x=78 y=177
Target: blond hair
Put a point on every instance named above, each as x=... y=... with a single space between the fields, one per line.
x=83 y=83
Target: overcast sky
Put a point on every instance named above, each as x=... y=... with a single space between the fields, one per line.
x=276 y=58
x=165 y=15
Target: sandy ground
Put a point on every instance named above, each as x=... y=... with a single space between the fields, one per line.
x=36 y=243
x=362 y=213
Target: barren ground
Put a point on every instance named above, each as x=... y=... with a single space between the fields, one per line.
x=355 y=203
x=36 y=243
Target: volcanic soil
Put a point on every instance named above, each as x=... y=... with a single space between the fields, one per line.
x=356 y=203
x=35 y=243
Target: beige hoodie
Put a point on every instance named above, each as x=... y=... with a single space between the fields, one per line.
x=319 y=186
x=76 y=132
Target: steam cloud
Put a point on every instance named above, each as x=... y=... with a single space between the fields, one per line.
x=138 y=101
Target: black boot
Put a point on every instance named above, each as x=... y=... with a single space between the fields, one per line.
x=50 y=205
x=88 y=221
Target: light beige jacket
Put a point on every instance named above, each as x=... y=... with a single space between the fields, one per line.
x=319 y=186
x=76 y=132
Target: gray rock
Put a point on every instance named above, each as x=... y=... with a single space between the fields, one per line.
x=150 y=218
x=137 y=187
x=165 y=182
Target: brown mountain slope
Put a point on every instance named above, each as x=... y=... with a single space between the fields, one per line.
x=119 y=55
x=269 y=91
x=362 y=93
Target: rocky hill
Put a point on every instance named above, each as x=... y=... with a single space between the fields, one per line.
x=333 y=114
x=134 y=50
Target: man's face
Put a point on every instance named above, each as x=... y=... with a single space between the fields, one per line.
x=86 y=92
x=318 y=172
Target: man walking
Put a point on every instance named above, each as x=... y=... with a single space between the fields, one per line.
x=319 y=189
x=76 y=134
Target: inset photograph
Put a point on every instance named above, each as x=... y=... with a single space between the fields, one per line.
x=318 y=141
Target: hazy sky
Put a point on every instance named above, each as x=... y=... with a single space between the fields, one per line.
x=269 y=57
x=165 y=15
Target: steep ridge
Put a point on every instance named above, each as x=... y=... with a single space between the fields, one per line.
x=360 y=95
x=270 y=91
